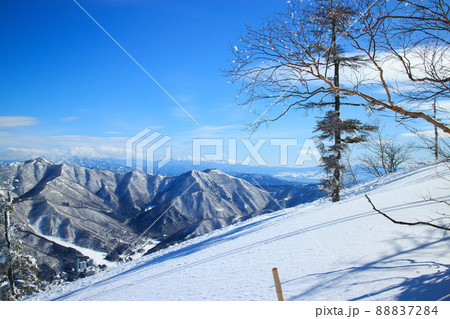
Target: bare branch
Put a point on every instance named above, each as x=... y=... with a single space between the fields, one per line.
x=405 y=223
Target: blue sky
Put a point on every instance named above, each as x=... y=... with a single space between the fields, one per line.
x=68 y=89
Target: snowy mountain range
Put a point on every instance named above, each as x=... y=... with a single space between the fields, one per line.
x=323 y=251
x=65 y=212
x=280 y=175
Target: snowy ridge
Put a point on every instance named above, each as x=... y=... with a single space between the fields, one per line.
x=324 y=251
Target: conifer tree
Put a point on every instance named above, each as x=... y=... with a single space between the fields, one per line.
x=342 y=133
x=18 y=272
x=334 y=17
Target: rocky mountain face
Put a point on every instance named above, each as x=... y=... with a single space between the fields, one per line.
x=59 y=207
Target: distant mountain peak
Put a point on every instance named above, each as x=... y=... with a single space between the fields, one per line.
x=39 y=160
x=212 y=170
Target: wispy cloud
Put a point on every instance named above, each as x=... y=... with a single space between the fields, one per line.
x=54 y=154
x=5 y=134
x=209 y=131
x=55 y=147
x=16 y=121
x=69 y=119
x=113 y=133
x=179 y=113
x=427 y=133
x=394 y=72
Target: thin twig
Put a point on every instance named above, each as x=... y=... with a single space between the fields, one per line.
x=404 y=223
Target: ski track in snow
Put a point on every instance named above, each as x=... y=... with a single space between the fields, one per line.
x=349 y=252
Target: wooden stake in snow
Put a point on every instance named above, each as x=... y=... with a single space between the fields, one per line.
x=276 y=279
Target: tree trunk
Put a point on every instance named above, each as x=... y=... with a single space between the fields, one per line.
x=10 y=272
x=436 y=136
x=337 y=108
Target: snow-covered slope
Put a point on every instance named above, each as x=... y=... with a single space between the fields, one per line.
x=323 y=251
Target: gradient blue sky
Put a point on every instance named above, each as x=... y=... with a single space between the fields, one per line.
x=67 y=89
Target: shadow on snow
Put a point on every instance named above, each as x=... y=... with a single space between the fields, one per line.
x=427 y=287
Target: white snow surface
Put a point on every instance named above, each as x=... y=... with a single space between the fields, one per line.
x=323 y=251
x=97 y=256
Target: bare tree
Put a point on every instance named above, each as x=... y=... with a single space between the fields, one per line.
x=384 y=155
x=436 y=144
x=427 y=142
x=284 y=64
x=350 y=175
